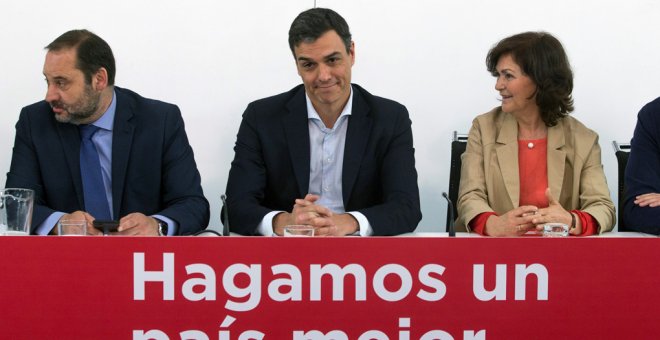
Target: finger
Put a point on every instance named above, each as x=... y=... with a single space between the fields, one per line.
x=532 y=213
x=303 y=202
x=647 y=201
x=127 y=223
x=521 y=229
x=325 y=231
x=526 y=220
x=321 y=222
x=312 y=197
x=649 y=195
x=527 y=210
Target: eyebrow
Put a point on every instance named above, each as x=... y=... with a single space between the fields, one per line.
x=331 y=55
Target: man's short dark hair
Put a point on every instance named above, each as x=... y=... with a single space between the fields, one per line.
x=542 y=57
x=313 y=23
x=92 y=53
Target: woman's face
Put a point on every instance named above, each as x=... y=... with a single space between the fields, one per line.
x=515 y=87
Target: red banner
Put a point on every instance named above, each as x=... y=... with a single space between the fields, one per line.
x=329 y=288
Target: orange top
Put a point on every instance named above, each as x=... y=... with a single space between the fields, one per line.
x=533 y=174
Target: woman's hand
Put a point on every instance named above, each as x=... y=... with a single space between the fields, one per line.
x=557 y=214
x=515 y=222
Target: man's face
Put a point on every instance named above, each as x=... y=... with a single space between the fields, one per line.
x=71 y=98
x=325 y=69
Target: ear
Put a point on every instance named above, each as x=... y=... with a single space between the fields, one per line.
x=351 y=52
x=100 y=79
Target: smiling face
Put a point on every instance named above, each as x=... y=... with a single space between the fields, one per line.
x=325 y=68
x=72 y=99
x=518 y=90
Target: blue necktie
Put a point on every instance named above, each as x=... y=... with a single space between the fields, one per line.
x=96 y=202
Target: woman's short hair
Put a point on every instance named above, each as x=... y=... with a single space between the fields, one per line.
x=542 y=58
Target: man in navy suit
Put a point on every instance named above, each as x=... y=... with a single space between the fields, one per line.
x=642 y=196
x=147 y=176
x=326 y=153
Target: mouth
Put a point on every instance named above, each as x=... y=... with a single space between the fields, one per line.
x=56 y=108
x=504 y=97
x=325 y=86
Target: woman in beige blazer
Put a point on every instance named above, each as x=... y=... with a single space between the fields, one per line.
x=527 y=162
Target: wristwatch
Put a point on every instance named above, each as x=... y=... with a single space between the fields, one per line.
x=162 y=227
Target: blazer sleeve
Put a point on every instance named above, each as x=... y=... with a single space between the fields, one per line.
x=246 y=184
x=594 y=194
x=472 y=195
x=181 y=191
x=643 y=171
x=398 y=211
x=25 y=171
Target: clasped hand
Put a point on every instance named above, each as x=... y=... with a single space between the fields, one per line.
x=520 y=220
x=325 y=222
x=134 y=224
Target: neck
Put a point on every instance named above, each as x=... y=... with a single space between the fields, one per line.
x=532 y=128
x=329 y=113
x=104 y=103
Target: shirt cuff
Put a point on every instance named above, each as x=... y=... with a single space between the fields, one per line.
x=172 y=226
x=364 y=227
x=46 y=226
x=265 y=228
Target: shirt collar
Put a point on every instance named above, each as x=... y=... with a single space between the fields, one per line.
x=312 y=114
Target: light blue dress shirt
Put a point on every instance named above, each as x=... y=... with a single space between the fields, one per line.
x=102 y=139
x=326 y=165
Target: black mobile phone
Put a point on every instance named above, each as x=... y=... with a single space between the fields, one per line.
x=106 y=226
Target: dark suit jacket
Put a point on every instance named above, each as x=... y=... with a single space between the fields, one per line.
x=153 y=167
x=643 y=170
x=272 y=162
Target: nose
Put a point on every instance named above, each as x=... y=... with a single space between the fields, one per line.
x=51 y=94
x=324 y=73
x=499 y=84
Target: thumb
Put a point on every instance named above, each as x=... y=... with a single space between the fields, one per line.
x=312 y=197
x=551 y=199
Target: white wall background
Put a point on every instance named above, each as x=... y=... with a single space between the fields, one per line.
x=213 y=57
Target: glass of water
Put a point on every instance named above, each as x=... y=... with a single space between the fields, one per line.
x=72 y=228
x=16 y=211
x=555 y=230
x=299 y=230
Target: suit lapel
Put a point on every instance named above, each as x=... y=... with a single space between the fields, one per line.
x=556 y=159
x=296 y=130
x=357 y=138
x=507 y=157
x=70 y=139
x=122 y=139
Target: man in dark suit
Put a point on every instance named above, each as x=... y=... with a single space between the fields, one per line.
x=642 y=196
x=136 y=166
x=327 y=153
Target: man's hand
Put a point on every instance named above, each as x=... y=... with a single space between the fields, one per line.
x=648 y=200
x=79 y=216
x=137 y=224
x=306 y=211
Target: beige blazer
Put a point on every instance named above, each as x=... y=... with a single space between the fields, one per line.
x=489 y=172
